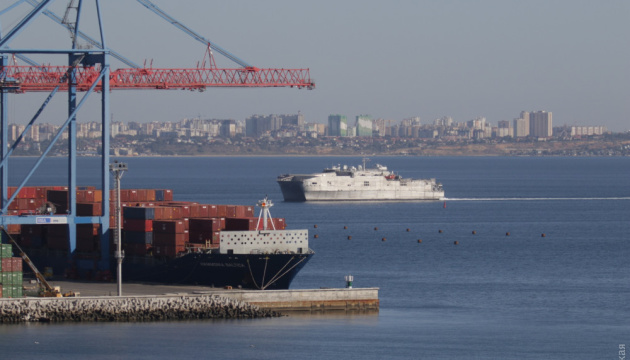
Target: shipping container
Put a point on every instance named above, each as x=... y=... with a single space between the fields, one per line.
x=169 y=226
x=207 y=225
x=89 y=196
x=143 y=213
x=6 y=251
x=139 y=225
x=240 y=224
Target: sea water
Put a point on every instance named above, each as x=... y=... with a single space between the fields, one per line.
x=540 y=269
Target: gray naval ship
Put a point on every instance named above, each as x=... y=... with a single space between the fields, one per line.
x=357 y=183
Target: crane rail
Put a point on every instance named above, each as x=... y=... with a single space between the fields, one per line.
x=21 y=79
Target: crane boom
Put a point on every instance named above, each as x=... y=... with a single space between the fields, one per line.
x=20 y=79
x=149 y=5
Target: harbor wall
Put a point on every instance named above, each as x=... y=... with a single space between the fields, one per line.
x=127 y=308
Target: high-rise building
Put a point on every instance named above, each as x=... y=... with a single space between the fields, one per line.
x=363 y=125
x=540 y=124
x=337 y=125
x=521 y=125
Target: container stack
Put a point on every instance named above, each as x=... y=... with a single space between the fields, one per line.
x=11 y=274
x=153 y=224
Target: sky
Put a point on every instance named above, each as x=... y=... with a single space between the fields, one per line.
x=392 y=60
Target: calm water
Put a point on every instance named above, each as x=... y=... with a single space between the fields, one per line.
x=492 y=296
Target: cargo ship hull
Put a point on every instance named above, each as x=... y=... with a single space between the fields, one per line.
x=248 y=271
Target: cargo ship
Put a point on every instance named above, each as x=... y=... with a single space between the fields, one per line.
x=164 y=241
x=357 y=183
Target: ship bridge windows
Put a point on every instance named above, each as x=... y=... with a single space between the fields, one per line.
x=366 y=183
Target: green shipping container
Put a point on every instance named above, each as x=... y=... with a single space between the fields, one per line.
x=17 y=291
x=16 y=278
x=7 y=291
x=5 y=278
x=6 y=251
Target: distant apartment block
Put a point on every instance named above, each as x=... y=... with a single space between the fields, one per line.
x=587 y=130
x=257 y=125
x=363 y=125
x=337 y=125
x=521 y=125
x=540 y=124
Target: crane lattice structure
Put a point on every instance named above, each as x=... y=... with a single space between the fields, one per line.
x=88 y=71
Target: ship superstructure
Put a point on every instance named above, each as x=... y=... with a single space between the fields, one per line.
x=357 y=183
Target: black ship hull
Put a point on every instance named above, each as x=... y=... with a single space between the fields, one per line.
x=247 y=271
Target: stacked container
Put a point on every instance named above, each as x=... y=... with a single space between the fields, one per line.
x=11 y=275
x=152 y=223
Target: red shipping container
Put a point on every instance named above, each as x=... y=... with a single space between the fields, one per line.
x=25 y=204
x=17 y=264
x=221 y=210
x=249 y=211
x=150 y=194
x=142 y=195
x=27 y=192
x=207 y=225
x=168 y=195
x=89 y=195
x=213 y=211
x=133 y=195
x=138 y=225
x=194 y=211
x=7 y=264
x=230 y=210
x=14 y=229
x=169 y=226
x=184 y=210
x=41 y=191
x=14 y=205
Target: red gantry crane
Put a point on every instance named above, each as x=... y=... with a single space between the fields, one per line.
x=46 y=78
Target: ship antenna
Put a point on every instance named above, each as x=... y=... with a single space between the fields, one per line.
x=264 y=204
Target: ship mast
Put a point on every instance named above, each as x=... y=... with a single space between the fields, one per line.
x=264 y=204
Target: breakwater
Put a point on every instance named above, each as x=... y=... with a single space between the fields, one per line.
x=136 y=308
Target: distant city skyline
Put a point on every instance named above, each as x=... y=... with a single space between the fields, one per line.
x=398 y=60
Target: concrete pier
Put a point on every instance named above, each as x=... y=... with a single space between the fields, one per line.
x=365 y=299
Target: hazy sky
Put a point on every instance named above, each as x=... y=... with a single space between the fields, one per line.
x=390 y=59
